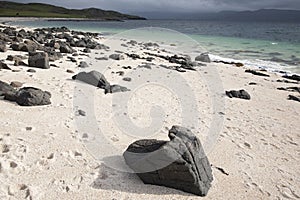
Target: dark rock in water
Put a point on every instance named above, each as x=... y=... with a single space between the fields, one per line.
x=116 y=56
x=6 y=88
x=290 y=89
x=180 y=163
x=39 y=60
x=93 y=78
x=30 y=96
x=204 y=57
x=293 y=77
x=65 y=48
x=4 y=66
x=294 y=98
x=3 y=48
x=256 y=73
x=115 y=89
x=242 y=94
x=83 y=64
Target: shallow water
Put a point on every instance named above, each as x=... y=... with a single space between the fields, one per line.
x=274 y=46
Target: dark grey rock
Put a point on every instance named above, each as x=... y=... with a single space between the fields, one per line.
x=30 y=96
x=3 y=48
x=127 y=79
x=180 y=163
x=16 y=84
x=65 y=48
x=102 y=58
x=6 y=88
x=292 y=77
x=257 y=73
x=242 y=94
x=204 y=57
x=290 y=89
x=39 y=60
x=31 y=71
x=116 y=56
x=4 y=66
x=83 y=64
x=294 y=98
x=115 y=89
x=93 y=78
x=87 y=50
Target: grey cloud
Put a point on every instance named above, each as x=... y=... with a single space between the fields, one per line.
x=131 y=6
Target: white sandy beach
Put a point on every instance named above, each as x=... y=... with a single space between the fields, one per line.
x=43 y=156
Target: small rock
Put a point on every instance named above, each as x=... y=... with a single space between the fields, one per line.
x=39 y=60
x=31 y=71
x=294 y=98
x=83 y=64
x=4 y=66
x=87 y=50
x=3 y=48
x=204 y=57
x=30 y=96
x=116 y=57
x=256 y=73
x=242 y=94
x=81 y=113
x=16 y=84
x=127 y=79
x=70 y=71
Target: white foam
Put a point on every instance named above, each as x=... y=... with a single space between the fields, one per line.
x=257 y=64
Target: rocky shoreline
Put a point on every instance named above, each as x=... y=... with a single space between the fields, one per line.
x=41 y=68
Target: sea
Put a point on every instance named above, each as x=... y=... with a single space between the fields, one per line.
x=273 y=46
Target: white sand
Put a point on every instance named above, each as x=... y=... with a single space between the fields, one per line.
x=258 y=146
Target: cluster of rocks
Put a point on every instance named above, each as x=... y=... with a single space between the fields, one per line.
x=180 y=163
x=46 y=44
x=26 y=96
x=97 y=79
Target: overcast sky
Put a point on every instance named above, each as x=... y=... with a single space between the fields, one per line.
x=138 y=6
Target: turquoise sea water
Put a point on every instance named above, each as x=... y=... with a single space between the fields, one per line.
x=274 y=46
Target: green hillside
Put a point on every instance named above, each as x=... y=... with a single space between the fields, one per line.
x=12 y=9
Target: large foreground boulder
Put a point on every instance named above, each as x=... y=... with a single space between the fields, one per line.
x=180 y=163
x=39 y=60
x=30 y=96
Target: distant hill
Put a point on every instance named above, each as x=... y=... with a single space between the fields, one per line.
x=12 y=9
x=258 y=15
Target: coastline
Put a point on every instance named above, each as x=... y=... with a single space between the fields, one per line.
x=257 y=147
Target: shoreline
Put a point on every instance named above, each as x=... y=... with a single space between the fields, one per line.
x=44 y=154
x=283 y=65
